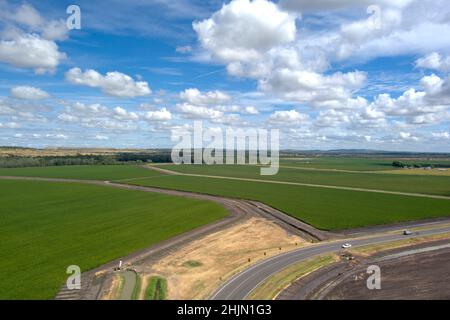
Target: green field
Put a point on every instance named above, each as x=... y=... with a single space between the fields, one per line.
x=45 y=227
x=438 y=185
x=156 y=289
x=100 y=172
x=340 y=163
x=354 y=163
x=324 y=208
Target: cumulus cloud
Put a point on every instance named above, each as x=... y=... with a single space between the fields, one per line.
x=198 y=112
x=158 y=115
x=250 y=110
x=112 y=83
x=317 y=5
x=31 y=51
x=28 y=17
x=309 y=86
x=122 y=114
x=28 y=93
x=243 y=30
x=441 y=135
x=28 y=39
x=9 y=125
x=287 y=117
x=194 y=96
x=434 y=61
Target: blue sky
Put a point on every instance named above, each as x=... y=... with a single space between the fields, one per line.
x=327 y=73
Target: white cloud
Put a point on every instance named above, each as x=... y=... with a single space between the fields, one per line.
x=441 y=135
x=122 y=114
x=158 y=115
x=434 y=61
x=317 y=5
x=28 y=17
x=287 y=117
x=407 y=136
x=194 y=96
x=31 y=51
x=250 y=110
x=198 y=112
x=68 y=117
x=113 y=83
x=101 y=137
x=332 y=118
x=28 y=93
x=9 y=125
x=183 y=49
x=243 y=30
x=309 y=86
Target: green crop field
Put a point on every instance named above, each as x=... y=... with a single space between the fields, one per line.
x=47 y=226
x=340 y=163
x=324 y=208
x=438 y=185
x=356 y=163
x=94 y=172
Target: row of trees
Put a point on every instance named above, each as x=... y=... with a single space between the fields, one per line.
x=400 y=164
x=18 y=161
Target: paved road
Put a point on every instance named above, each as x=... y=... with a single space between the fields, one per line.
x=128 y=286
x=242 y=284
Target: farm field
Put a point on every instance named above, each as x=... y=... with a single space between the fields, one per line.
x=353 y=163
x=328 y=209
x=47 y=226
x=437 y=185
x=84 y=172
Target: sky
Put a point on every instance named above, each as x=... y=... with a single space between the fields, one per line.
x=329 y=74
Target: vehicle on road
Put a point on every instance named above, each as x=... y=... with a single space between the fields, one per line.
x=407 y=233
x=346 y=245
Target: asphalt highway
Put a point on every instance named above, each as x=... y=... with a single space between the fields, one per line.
x=243 y=283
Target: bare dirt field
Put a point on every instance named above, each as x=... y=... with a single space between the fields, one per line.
x=194 y=271
x=419 y=276
x=418 y=271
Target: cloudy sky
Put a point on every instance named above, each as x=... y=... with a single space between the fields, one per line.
x=329 y=74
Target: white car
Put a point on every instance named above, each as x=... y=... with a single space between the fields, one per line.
x=346 y=245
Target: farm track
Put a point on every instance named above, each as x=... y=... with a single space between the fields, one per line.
x=171 y=172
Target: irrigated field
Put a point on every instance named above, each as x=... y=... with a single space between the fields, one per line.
x=324 y=208
x=45 y=227
x=340 y=163
x=355 y=163
x=85 y=172
x=438 y=185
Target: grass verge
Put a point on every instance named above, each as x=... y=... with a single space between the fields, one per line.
x=156 y=289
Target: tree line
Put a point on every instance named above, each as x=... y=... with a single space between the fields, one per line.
x=45 y=161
